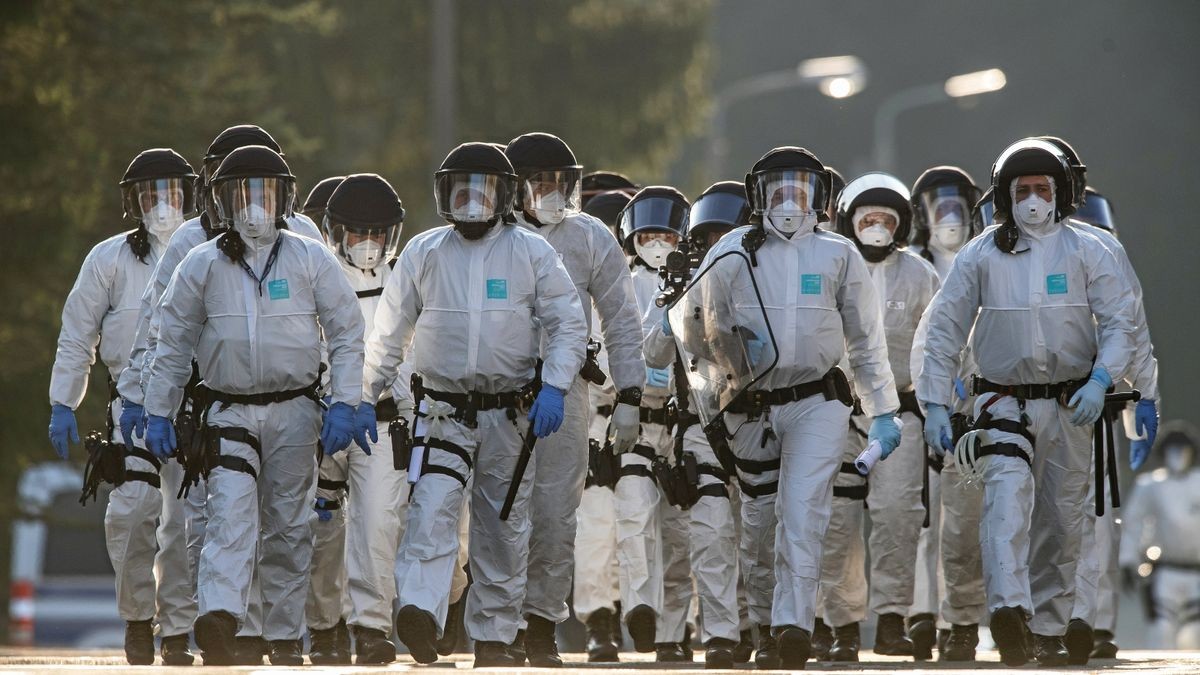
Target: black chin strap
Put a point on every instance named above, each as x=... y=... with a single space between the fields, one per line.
x=139 y=243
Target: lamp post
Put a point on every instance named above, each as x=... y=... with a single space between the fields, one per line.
x=959 y=86
x=833 y=76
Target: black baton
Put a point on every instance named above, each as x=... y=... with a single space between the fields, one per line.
x=1102 y=435
x=518 y=472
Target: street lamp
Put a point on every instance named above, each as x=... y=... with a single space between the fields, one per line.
x=959 y=86
x=833 y=76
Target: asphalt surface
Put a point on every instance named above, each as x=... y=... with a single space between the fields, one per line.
x=45 y=660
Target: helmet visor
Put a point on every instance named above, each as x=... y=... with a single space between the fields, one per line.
x=1097 y=211
x=147 y=195
x=790 y=190
x=719 y=210
x=253 y=200
x=472 y=197
x=653 y=214
x=554 y=192
x=364 y=246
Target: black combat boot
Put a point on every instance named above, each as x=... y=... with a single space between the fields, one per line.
x=139 y=643
x=890 y=639
x=845 y=644
x=601 y=648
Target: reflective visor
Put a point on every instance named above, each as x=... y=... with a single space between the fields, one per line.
x=945 y=204
x=719 y=210
x=149 y=193
x=264 y=197
x=653 y=214
x=471 y=197
x=1097 y=211
x=542 y=186
x=778 y=187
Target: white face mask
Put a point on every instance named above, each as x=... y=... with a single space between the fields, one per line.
x=163 y=219
x=1033 y=212
x=653 y=253
x=948 y=235
x=875 y=235
x=550 y=209
x=253 y=221
x=473 y=212
x=789 y=218
x=365 y=255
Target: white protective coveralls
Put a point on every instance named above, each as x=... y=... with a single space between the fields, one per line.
x=472 y=312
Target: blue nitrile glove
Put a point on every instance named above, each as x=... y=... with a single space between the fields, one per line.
x=1088 y=402
x=960 y=389
x=937 y=428
x=133 y=421
x=160 y=436
x=885 y=430
x=365 y=426
x=62 y=427
x=658 y=377
x=323 y=514
x=666 y=324
x=547 y=411
x=1145 y=415
x=338 y=429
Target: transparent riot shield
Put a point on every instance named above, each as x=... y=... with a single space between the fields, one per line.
x=722 y=333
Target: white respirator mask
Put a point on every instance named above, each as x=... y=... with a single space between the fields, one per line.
x=253 y=221
x=654 y=253
x=948 y=235
x=875 y=235
x=163 y=219
x=550 y=209
x=1034 y=213
x=365 y=255
x=789 y=218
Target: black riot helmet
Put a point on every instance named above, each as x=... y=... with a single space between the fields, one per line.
x=1097 y=210
x=548 y=177
x=1033 y=157
x=598 y=182
x=837 y=183
x=984 y=212
x=474 y=188
x=1178 y=437
x=607 y=206
x=1078 y=168
x=363 y=219
x=878 y=198
x=238 y=136
x=657 y=208
x=158 y=176
x=944 y=196
x=318 y=197
x=253 y=187
x=796 y=168
x=719 y=209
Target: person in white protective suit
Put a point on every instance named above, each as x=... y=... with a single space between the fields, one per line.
x=814 y=301
x=944 y=220
x=652 y=533
x=596 y=595
x=712 y=526
x=473 y=298
x=100 y=313
x=360 y=497
x=252 y=306
x=183 y=521
x=1054 y=327
x=1094 y=616
x=1158 y=546
x=548 y=203
x=874 y=212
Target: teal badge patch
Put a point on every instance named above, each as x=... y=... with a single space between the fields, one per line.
x=1056 y=284
x=497 y=289
x=810 y=284
x=278 y=289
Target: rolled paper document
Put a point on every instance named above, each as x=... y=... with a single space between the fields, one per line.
x=873 y=453
x=866 y=460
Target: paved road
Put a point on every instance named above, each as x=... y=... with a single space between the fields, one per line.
x=15 y=660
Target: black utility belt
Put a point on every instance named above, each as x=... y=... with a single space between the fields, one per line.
x=265 y=398
x=478 y=401
x=1062 y=391
x=833 y=386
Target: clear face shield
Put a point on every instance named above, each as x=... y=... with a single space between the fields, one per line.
x=551 y=196
x=947 y=211
x=159 y=204
x=654 y=247
x=790 y=198
x=471 y=197
x=1096 y=211
x=875 y=225
x=365 y=247
x=253 y=205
